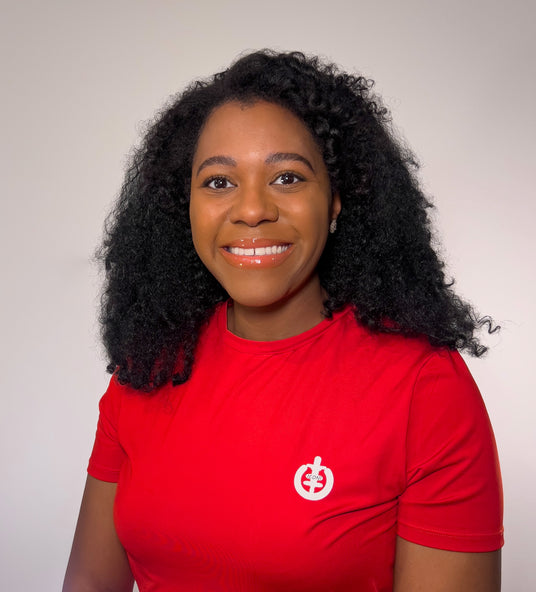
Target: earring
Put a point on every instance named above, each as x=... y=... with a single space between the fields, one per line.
x=333 y=226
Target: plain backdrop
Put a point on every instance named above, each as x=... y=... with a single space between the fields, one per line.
x=80 y=78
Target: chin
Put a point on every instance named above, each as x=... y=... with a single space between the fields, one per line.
x=260 y=298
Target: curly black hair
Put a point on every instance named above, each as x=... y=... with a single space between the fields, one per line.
x=158 y=294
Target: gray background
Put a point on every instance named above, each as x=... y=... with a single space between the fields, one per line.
x=79 y=78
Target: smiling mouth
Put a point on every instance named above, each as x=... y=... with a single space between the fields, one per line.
x=246 y=256
x=257 y=251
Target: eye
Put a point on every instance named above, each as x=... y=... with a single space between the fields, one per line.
x=218 y=183
x=288 y=178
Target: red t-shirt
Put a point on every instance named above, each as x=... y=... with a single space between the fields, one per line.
x=293 y=464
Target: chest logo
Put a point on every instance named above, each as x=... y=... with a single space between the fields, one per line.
x=313 y=482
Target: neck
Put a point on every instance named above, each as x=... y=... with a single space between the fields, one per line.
x=278 y=321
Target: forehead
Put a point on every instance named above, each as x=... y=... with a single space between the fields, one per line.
x=259 y=126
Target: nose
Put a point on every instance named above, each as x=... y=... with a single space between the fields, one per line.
x=253 y=206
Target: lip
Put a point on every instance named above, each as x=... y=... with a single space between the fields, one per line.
x=256 y=261
x=251 y=243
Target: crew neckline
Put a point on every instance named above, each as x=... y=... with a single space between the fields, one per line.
x=278 y=345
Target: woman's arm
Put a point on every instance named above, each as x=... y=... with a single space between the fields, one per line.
x=98 y=562
x=423 y=569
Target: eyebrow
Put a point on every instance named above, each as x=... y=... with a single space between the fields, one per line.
x=282 y=156
x=271 y=159
x=224 y=160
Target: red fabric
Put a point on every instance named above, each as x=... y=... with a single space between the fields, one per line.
x=210 y=473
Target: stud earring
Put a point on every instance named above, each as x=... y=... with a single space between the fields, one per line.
x=333 y=226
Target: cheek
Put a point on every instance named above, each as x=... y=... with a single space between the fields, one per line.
x=205 y=224
x=315 y=223
x=199 y=229
x=319 y=232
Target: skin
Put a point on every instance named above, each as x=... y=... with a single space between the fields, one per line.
x=422 y=569
x=98 y=562
x=258 y=175
x=242 y=195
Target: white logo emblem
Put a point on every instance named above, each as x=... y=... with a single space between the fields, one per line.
x=315 y=486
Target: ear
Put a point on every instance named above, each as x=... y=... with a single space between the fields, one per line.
x=335 y=208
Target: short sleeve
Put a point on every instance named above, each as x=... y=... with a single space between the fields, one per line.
x=107 y=456
x=453 y=498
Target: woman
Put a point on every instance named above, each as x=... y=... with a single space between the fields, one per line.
x=287 y=410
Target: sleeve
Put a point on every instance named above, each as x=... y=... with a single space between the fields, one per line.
x=107 y=456
x=453 y=496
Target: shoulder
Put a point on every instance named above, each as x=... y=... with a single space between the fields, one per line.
x=392 y=354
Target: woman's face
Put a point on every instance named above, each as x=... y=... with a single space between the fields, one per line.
x=261 y=203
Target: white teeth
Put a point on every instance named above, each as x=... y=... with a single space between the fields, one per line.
x=258 y=251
